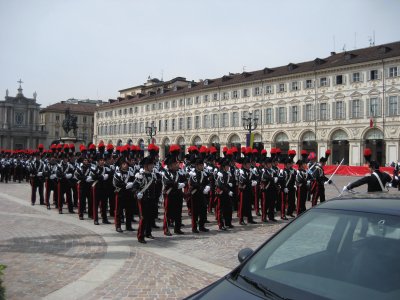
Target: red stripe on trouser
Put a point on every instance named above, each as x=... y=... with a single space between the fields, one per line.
x=78 y=189
x=116 y=216
x=255 y=199
x=298 y=200
x=218 y=211
x=240 y=215
x=59 y=195
x=165 y=224
x=95 y=216
x=194 y=212
x=263 y=212
x=283 y=204
x=47 y=192
x=140 y=229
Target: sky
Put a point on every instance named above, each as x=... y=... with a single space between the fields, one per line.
x=90 y=49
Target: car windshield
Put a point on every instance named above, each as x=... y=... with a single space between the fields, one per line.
x=330 y=254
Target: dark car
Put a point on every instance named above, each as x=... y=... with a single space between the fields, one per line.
x=341 y=249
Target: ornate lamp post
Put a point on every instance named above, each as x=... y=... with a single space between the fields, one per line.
x=151 y=131
x=250 y=124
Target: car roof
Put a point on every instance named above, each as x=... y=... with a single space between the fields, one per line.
x=380 y=203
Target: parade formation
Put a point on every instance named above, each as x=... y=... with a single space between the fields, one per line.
x=122 y=183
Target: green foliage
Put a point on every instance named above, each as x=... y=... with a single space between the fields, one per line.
x=2 y=289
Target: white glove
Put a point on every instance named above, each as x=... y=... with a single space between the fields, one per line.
x=389 y=185
x=241 y=172
x=275 y=179
x=139 y=176
x=308 y=182
x=254 y=171
x=141 y=171
x=181 y=185
x=285 y=190
x=230 y=194
x=39 y=173
x=105 y=177
x=68 y=176
x=209 y=168
x=253 y=183
x=215 y=170
x=395 y=177
x=345 y=189
x=139 y=195
x=89 y=179
x=129 y=185
x=192 y=173
x=220 y=174
x=53 y=176
x=206 y=190
x=230 y=184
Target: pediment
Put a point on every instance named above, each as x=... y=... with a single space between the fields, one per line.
x=356 y=95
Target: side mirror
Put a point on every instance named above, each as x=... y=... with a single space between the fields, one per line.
x=244 y=253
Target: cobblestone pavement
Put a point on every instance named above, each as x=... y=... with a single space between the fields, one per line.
x=59 y=257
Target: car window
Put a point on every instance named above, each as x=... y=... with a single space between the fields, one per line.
x=331 y=254
x=317 y=233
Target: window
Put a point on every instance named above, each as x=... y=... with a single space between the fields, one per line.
x=124 y=129
x=153 y=106
x=131 y=110
x=393 y=72
x=166 y=104
x=234 y=94
x=147 y=107
x=57 y=133
x=356 y=77
x=135 y=127
x=197 y=122
x=141 y=127
x=339 y=80
x=57 y=118
x=235 y=119
x=323 y=111
x=215 y=121
x=189 y=101
x=136 y=110
x=257 y=91
x=189 y=123
x=205 y=98
x=281 y=87
x=120 y=112
x=173 y=105
x=309 y=112
x=340 y=112
x=173 y=124
x=281 y=115
x=166 y=125
x=197 y=100
x=323 y=81
x=373 y=75
x=181 y=102
x=246 y=93
x=257 y=115
x=19 y=118
x=392 y=106
x=215 y=97
x=180 y=124
x=206 y=121
x=294 y=115
x=268 y=116
x=268 y=89
x=309 y=84
x=374 y=107
x=130 y=128
x=159 y=125
x=160 y=106
x=294 y=86
x=355 y=108
x=225 y=96
x=225 y=120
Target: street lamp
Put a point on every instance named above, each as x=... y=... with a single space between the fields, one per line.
x=151 y=131
x=250 y=123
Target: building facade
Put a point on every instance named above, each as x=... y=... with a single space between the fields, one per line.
x=52 y=117
x=19 y=122
x=346 y=102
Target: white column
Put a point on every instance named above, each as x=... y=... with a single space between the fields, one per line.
x=392 y=151
x=354 y=153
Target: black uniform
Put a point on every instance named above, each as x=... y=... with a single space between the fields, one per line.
x=289 y=191
x=245 y=195
x=84 y=183
x=123 y=183
x=99 y=187
x=37 y=170
x=199 y=185
x=301 y=183
x=374 y=184
x=224 y=196
x=318 y=190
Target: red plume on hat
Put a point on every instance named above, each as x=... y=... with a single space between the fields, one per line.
x=66 y=148
x=82 y=148
x=92 y=148
x=40 y=147
x=53 y=147
x=225 y=149
x=72 y=147
x=101 y=147
x=292 y=153
x=273 y=152
x=193 y=149
x=213 y=150
x=234 y=149
x=153 y=150
x=110 y=147
x=367 y=154
x=59 y=147
x=174 y=148
x=264 y=152
x=327 y=153
x=229 y=152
